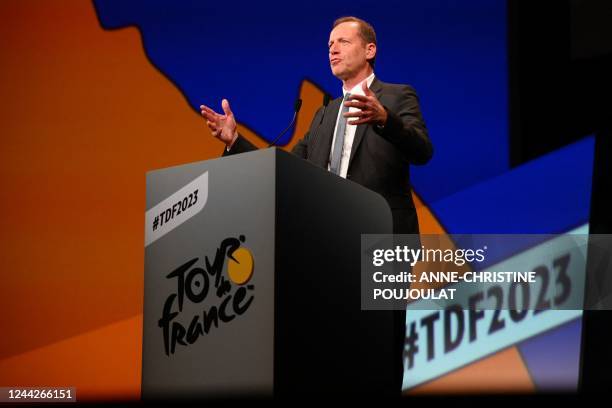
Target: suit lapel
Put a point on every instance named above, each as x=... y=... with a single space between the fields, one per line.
x=376 y=87
x=322 y=149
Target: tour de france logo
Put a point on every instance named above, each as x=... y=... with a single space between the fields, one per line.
x=196 y=282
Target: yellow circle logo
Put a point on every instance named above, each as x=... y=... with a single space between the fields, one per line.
x=240 y=270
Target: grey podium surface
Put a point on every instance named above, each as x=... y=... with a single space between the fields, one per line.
x=296 y=325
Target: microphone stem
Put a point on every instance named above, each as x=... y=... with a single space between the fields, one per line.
x=284 y=131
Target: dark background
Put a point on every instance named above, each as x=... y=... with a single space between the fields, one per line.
x=560 y=55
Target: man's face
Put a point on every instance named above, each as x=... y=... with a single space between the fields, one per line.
x=348 y=52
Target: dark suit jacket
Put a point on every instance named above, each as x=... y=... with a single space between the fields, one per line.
x=380 y=158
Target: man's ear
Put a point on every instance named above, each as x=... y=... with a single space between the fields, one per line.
x=370 y=50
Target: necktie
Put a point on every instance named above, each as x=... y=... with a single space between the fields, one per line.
x=334 y=165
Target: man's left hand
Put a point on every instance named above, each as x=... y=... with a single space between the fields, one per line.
x=370 y=108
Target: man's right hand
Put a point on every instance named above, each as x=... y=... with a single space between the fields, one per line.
x=223 y=127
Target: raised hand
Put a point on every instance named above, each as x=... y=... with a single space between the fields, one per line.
x=370 y=108
x=223 y=127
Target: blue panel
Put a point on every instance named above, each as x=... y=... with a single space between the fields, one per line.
x=546 y=196
x=553 y=359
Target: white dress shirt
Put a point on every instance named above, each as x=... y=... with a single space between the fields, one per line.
x=350 y=129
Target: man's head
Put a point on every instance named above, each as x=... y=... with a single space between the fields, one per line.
x=352 y=47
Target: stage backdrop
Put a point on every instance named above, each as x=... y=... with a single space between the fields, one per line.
x=97 y=93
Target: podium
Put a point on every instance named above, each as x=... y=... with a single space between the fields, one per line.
x=252 y=282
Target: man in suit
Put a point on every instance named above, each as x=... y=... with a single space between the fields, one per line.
x=370 y=136
x=384 y=131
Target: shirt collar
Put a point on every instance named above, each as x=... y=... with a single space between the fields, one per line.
x=357 y=88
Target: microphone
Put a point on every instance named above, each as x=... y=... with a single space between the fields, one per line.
x=326 y=100
x=296 y=109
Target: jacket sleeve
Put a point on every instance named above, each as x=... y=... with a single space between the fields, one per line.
x=301 y=147
x=405 y=128
x=241 y=145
